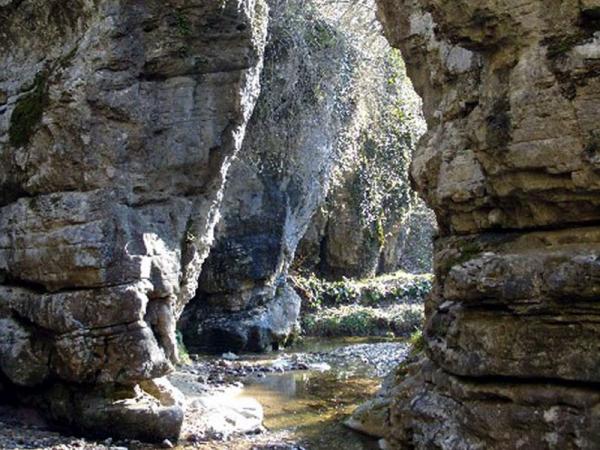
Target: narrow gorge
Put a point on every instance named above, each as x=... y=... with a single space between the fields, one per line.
x=227 y=177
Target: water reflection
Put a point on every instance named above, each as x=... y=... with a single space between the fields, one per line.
x=312 y=404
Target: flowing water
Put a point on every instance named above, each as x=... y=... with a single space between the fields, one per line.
x=308 y=407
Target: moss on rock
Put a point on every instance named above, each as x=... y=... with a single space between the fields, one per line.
x=28 y=112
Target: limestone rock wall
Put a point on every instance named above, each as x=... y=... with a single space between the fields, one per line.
x=281 y=176
x=511 y=95
x=118 y=121
x=338 y=245
x=363 y=227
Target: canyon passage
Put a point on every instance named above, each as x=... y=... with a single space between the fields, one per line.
x=380 y=215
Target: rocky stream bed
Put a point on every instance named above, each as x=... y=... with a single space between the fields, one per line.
x=297 y=399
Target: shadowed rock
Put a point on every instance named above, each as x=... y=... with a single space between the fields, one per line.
x=275 y=186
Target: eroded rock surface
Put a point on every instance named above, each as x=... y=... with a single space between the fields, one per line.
x=372 y=222
x=281 y=176
x=511 y=95
x=118 y=121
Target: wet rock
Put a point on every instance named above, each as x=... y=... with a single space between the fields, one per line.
x=230 y=356
x=371 y=417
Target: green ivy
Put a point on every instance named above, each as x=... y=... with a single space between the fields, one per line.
x=184 y=356
x=28 y=112
x=183 y=25
x=392 y=288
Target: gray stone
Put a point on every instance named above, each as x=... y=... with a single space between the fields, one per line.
x=119 y=125
x=275 y=186
x=508 y=165
x=264 y=327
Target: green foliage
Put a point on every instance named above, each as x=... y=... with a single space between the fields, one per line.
x=322 y=35
x=182 y=352
x=417 y=349
x=399 y=287
x=417 y=343
x=387 y=141
x=380 y=232
x=183 y=25
x=358 y=320
x=387 y=305
x=317 y=292
x=28 y=112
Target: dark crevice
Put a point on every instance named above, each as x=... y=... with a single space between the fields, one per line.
x=10 y=281
x=593 y=223
x=526 y=381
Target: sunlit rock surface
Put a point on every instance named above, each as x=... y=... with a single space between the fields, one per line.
x=118 y=121
x=275 y=186
x=512 y=98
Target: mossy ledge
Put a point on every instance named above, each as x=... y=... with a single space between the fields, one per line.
x=28 y=112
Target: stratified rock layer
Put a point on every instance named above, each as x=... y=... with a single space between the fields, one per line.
x=118 y=120
x=512 y=97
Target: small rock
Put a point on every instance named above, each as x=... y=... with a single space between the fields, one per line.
x=229 y=356
x=195 y=438
x=202 y=379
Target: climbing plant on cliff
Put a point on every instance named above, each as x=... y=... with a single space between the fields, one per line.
x=385 y=149
x=371 y=199
x=319 y=73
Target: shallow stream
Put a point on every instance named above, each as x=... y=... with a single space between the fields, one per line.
x=307 y=407
x=301 y=396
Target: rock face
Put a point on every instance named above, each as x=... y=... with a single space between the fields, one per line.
x=511 y=96
x=337 y=244
x=118 y=121
x=276 y=184
x=409 y=247
x=366 y=227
